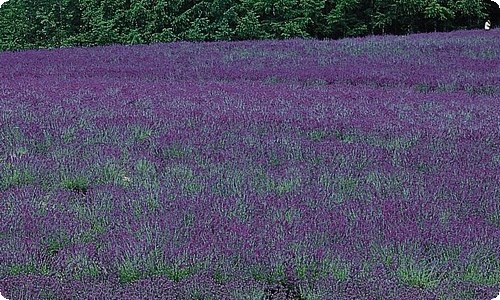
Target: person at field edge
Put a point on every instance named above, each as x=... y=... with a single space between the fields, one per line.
x=487 y=25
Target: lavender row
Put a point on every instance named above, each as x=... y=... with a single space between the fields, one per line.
x=462 y=60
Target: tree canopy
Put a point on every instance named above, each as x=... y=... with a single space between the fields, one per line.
x=54 y=23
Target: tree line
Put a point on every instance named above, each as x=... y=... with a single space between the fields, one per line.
x=55 y=23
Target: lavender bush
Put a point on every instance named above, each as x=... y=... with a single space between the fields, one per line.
x=355 y=169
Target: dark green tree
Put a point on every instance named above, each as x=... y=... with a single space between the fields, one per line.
x=53 y=23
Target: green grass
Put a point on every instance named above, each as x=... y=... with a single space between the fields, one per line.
x=248 y=293
x=317 y=135
x=44 y=269
x=188 y=219
x=284 y=186
x=18 y=269
x=346 y=186
x=271 y=275
x=339 y=188
x=261 y=182
x=79 y=184
x=483 y=267
x=494 y=218
x=308 y=269
x=192 y=188
x=230 y=184
x=145 y=168
x=43 y=146
x=69 y=134
x=155 y=265
x=82 y=267
x=220 y=276
x=112 y=172
x=182 y=177
x=29 y=268
x=48 y=295
x=416 y=275
x=174 y=151
x=345 y=137
x=141 y=134
x=15 y=176
x=152 y=201
x=54 y=246
x=387 y=184
x=175 y=272
x=90 y=235
x=475 y=275
x=241 y=210
x=55 y=243
x=309 y=293
x=128 y=272
x=340 y=270
x=386 y=254
x=92 y=270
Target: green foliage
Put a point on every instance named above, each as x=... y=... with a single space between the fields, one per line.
x=90 y=235
x=231 y=183
x=29 y=268
x=268 y=274
x=17 y=269
x=79 y=184
x=308 y=269
x=53 y=247
x=47 y=295
x=155 y=265
x=128 y=272
x=56 y=23
x=145 y=168
x=483 y=267
x=55 y=242
x=340 y=270
x=112 y=172
x=141 y=134
x=247 y=293
x=82 y=267
x=286 y=185
x=192 y=187
x=173 y=272
x=174 y=151
x=475 y=275
x=494 y=218
x=317 y=135
x=13 y=176
x=344 y=21
x=220 y=276
x=416 y=275
x=249 y=27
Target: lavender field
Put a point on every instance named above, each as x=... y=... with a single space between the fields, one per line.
x=353 y=169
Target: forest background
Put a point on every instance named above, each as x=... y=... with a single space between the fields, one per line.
x=26 y=24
